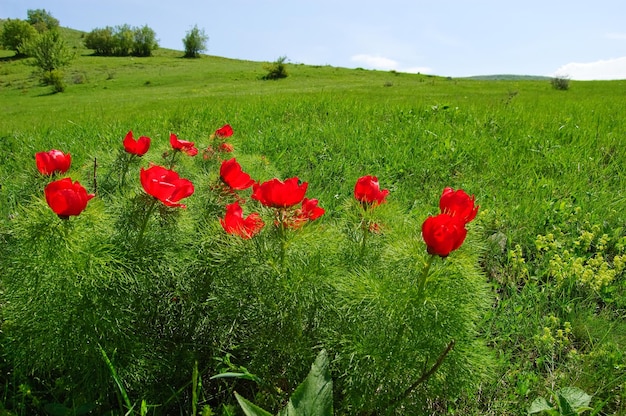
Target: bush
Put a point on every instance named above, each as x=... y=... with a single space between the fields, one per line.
x=277 y=69
x=195 y=42
x=122 y=41
x=56 y=79
x=101 y=41
x=16 y=34
x=560 y=83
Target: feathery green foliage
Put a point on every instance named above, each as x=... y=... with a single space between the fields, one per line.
x=539 y=161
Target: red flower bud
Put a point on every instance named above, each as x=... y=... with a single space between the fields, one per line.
x=52 y=161
x=66 y=198
x=367 y=190
x=137 y=147
x=165 y=185
x=443 y=234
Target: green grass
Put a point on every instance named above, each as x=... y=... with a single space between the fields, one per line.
x=538 y=160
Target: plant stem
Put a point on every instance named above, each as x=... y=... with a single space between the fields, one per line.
x=424 y=276
x=145 y=221
x=365 y=229
x=425 y=376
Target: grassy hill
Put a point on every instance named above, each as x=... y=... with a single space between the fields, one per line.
x=546 y=167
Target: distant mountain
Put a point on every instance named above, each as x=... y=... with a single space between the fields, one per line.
x=508 y=77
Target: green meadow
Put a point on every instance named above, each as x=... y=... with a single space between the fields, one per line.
x=96 y=320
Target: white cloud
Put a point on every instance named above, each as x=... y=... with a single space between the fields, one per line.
x=600 y=70
x=386 y=64
x=375 y=62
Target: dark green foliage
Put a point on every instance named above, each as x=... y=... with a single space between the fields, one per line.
x=49 y=51
x=42 y=20
x=122 y=41
x=195 y=42
x=16 y=34
x=276 y=70
x=560 y=83
x=145 y=41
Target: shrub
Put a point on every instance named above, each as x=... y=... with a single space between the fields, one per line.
x=16 y=34
x=195 y=42
x=122 y=41
x=101 y=40
x=145 y=41
x=277 y=69
x=560 y=82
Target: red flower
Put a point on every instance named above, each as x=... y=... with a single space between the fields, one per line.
x=165 y=185
x=183 y=145
x=443 y=234
x=367 y=190
x=137 y=147
x=66 y=198
x=224 y=131
x=226 y=147
x=458 y=204
x=53 y=161
x=232 y=175
x=309 y=211
x=234 y=222
x=278 y=194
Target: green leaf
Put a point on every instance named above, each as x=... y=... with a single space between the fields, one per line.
x=249 y=408
x=565 y=407
x=576 y=398
x=539 y=405
x=314 y=396
x=244 y=376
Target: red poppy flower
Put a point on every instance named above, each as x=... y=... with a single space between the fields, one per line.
x=458 y=204
x=224 y=131
x=66 y=197
x=367 y=190
x=137 y=147
x=309 y=211
x=53 y=161
x=232 y=175
x=183 y=145
x=226 y=147
x=443 y=234
x=234 y=222
x=278 y=194
x=165 y=185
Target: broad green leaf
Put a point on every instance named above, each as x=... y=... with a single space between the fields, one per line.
x=314 y=396
x=539 y=405
x=576 y=398
x=564 y=406
x=249 y=408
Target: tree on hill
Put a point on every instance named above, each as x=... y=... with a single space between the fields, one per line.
x=42 y=20
x=195 y=42
x=16 y=34
x=50 y=53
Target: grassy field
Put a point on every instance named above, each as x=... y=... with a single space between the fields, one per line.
x=546 y=167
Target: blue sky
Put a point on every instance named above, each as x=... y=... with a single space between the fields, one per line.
x=581 y=40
